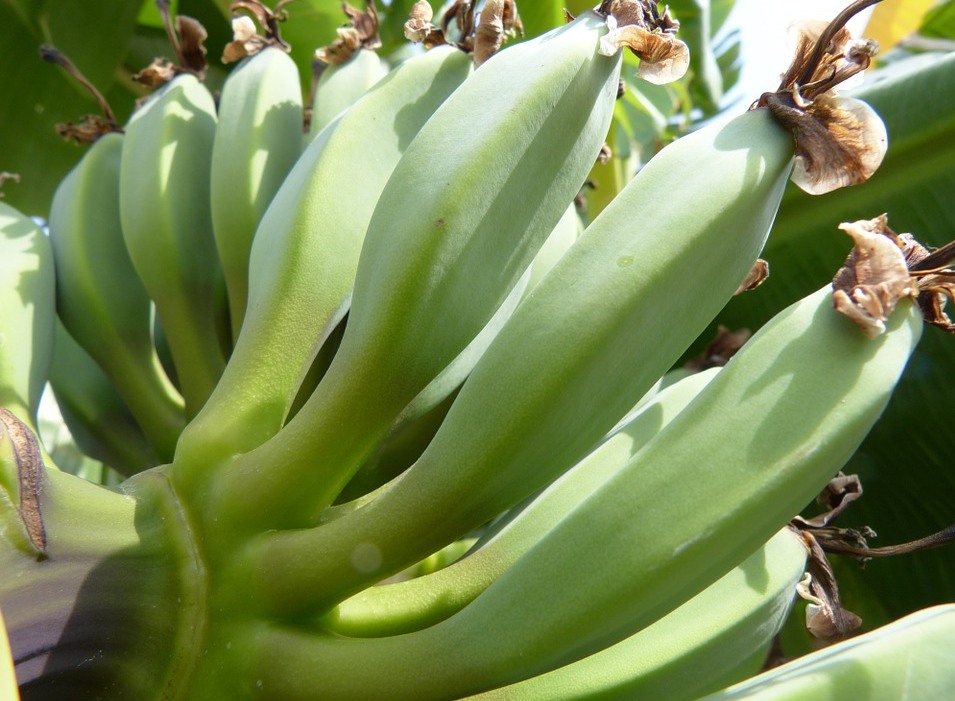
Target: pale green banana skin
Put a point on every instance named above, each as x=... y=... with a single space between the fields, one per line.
x=907 y=659
x=417 y=603
x=258 y=140
x=305 y=253
x=167 y=225
x=752 y=449
x=564 y=235
x=618 y=294
x=339 y=87
x=100 y=298
x=539 y=112
x=716 y=638
x=99 y=421
x=27 y=313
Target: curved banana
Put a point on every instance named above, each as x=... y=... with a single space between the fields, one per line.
x=417 y=603
x=27 y=314
x=167 y=226
x=99 y=421
x=339 y=87
x=598 y=330
x=305 y=252
x=257 y=141
x=907 y=659
x=718 y=637
x=100 y=298
x=442 y=253
x=749 y=451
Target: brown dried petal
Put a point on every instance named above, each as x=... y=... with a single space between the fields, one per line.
x=755 y=277
x=88 y=130
x=825 y=616
x=29 y=466
x=365 y=23
x=192 y=38
x=489 y=33
x=873 y=279
x=663 y=58
x=340 y=50
x=157 y=73
x=840 y=141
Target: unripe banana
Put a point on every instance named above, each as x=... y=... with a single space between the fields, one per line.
x=167 y=225
x=417 y=603
x=442 y=253
x=100 y=298
x=718 y=637
x=258 y=140
x=100 y=423
x=564 y=235
x=907 y=659
x=27 y=313
x=608 y=320
x=752 y=449
x=339 y=87
x=8 y=680
x=305 y=252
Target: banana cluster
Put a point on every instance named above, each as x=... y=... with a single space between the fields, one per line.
x=392 y=413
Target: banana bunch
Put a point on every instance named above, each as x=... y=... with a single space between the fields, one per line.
x=419 y=434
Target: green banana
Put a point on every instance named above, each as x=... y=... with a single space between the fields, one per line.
x=907 y=659
x=418 y=421
x=257 y=141
x=705 y=202
x=442 y=254
x=718 y=637
x=27 y=313
x=305 y=252
x=567 y=231
x=339 y=87
x=749 y=451
x=99 y=421
x=101 y=300
x=416 y=603
x=167 y=225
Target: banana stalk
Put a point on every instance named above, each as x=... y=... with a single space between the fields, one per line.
x=100 y=298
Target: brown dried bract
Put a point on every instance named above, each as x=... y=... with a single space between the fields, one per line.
x=497 y=21
x=884 y=267
x=649 y=34
x=489 y=32
x=839 y=141
x=246 y=41
x=826 y=618
x=157 y=73
x=361 y=32
x=87 y=130
x=755 y=277
x=874 y=277
x=192 y=50
x=30 y=469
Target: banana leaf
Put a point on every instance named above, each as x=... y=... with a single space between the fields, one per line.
x=905 y=463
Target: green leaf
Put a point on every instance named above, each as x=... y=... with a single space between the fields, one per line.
x=540 y=16
x=36 y=96
x=905 y=463
x=939 y=22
